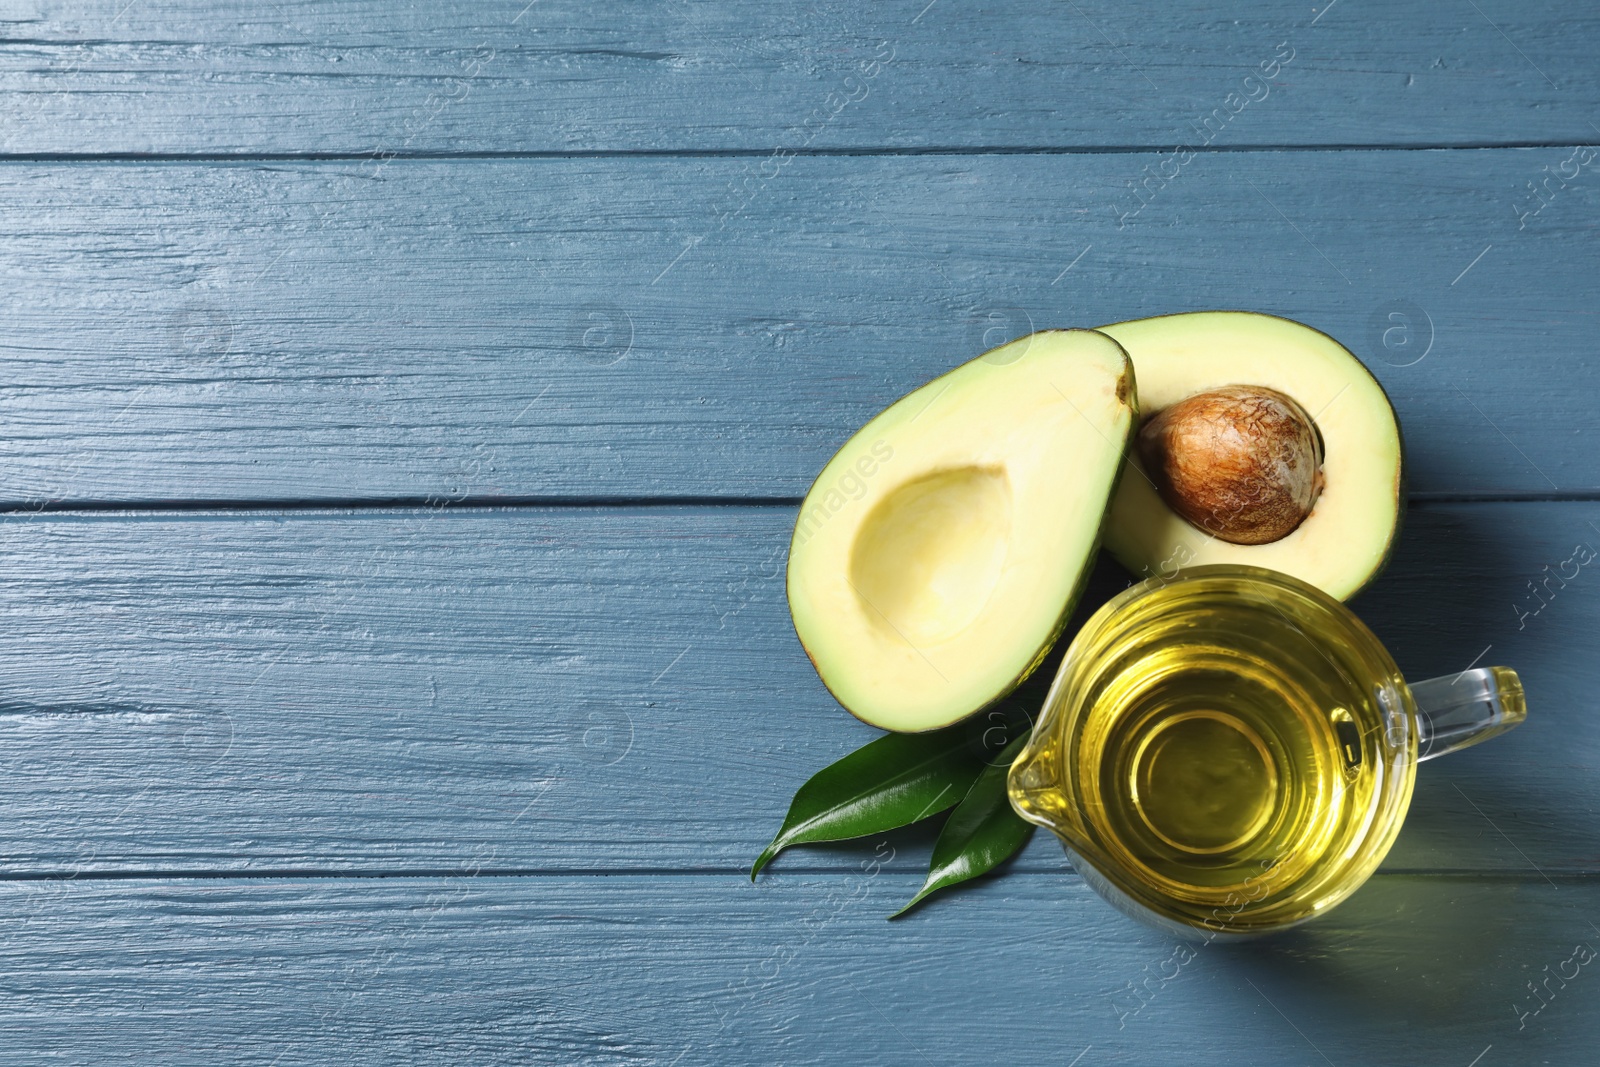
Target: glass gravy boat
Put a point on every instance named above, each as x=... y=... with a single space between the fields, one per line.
x=1230 y=751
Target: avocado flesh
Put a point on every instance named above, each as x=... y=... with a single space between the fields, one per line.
x=940 y=552
x=1346 y=539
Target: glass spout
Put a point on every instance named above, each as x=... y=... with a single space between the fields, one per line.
x=1041 y=794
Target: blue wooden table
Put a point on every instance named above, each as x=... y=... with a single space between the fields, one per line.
x=404 y=410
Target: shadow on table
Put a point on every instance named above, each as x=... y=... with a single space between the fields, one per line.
x=1449 y=601
x=1445 y=962
x=1446 y=593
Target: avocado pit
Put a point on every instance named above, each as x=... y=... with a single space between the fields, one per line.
x=1242 y=462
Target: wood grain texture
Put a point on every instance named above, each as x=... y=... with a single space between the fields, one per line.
x=495 y=774
x=187 y=76
x=597 y=689
x=710 y=970
x=602 y=328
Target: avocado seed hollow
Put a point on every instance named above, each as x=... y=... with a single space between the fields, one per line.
x=1243 y=463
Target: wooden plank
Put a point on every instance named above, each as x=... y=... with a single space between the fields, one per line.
x=597 y=689
x=704 y=969
x=185 y=76
x=589 y=329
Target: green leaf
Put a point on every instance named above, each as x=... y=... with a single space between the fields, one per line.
x=891 y=782
x=981 y=833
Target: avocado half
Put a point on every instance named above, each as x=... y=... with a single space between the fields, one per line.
x=1345 y=539
x=940 y=552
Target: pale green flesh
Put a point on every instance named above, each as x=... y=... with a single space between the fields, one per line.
x=938 y=553
x=1345 y=540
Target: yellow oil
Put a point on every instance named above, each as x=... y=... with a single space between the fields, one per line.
x=1237 y=754
x=1215 y=765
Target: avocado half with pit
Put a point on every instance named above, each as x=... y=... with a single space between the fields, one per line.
x=939 y=554
x=1265 y=442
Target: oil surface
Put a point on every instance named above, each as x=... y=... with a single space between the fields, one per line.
x=1230 y=753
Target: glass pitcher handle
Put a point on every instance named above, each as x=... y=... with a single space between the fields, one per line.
x=1461 y=710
